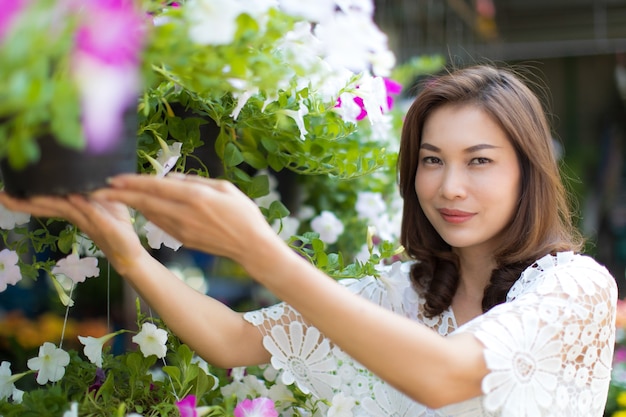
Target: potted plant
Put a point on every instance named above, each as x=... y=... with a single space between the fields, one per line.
x=70 y=77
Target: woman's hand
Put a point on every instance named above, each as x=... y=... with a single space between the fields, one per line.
x=209 y=215
x=107 y=223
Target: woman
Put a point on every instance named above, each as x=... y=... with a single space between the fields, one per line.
x=496 y=314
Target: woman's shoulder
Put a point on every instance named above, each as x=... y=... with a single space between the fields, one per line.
x=573 y=273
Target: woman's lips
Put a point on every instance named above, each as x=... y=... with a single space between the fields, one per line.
x=455 y=216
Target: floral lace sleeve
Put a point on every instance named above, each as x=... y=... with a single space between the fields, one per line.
x=549 y=348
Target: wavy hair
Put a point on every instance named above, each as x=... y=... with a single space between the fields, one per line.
x=543 y=222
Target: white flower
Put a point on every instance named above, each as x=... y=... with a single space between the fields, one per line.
x=212 y=22
x=266 y=200
x=305 y=360
x=157 y=237
x=341 y=406
x=77 y=269
x=73 y=411
x=314 y=11
x=151 y=340
x=286 y=227
x=242 y=99
x=87 y=247
x=387 y=401
x=369 y=205
x=9 y=270
x=349 y=109
x=9 y=219
x=93 y=347
x=298 y=117
x=248 y=387
x=167 y=157
x=328 y=226
x=50 y=364
x=7 y=385
x=524 y=359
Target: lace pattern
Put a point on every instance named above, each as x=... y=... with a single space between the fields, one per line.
x=549 y=347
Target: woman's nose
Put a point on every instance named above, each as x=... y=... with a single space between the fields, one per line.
x=453 y=184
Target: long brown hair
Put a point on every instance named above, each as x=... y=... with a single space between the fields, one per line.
x=543 y=223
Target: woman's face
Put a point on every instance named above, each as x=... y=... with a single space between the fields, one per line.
x=468 y=177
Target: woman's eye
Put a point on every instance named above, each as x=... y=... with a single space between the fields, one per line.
x=431 y=160
x=480 y=161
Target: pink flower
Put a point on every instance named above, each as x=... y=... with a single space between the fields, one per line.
x=106 y=61
x=8 y=12
x=112 y=31
x=259 y=407
x=187 y=406
x=393 y=88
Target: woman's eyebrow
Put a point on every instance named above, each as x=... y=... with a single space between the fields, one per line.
x=471 y=149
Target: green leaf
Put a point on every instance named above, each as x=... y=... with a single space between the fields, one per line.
x=259 y=186
x=232 y=155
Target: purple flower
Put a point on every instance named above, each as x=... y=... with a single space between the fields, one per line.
x=98 y=380
x=187 y=406
x=259 y=407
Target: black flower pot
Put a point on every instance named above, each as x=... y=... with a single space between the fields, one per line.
x=61 y=170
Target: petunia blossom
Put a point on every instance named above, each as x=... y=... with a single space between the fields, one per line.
x=9 y=269
x=157 y=237
x=77 y=269
x=50 y=364
x=9 y=219
x=328 y=226
x=341 y=406
x=73 y=411
x=105 y=67
x=93 y=346
x=212 y=22
x=187 y=406
x=7 y=382
x=298 y=117
x=167 y=157
x=151 y=340
x=258 y=407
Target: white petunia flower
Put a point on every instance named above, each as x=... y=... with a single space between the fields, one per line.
x=248 y=387
x=212 y=22
x=304 y=357
x=298 y=117
x=93 y=347
x=50 y=364
x=77 y=269
x=73 y=411
x=167 y=157
x=151 y=340
x=341 y=406
x=7 y=384
x=9 y=270
x=369 y=205
x=524 y=359
x=157 y=237
x=286 y=227
x=9 y=219
x=313 y=11
x=328 y=226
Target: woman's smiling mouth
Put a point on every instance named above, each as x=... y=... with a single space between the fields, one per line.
x=455 y=216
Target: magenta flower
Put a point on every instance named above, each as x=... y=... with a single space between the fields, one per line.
x=259 y=407
x=393 y=88
x=106 y=62
x=8 y=12
x=112 y=32
x=187 y=406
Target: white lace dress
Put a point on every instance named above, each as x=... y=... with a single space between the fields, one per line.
x=549 y=347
